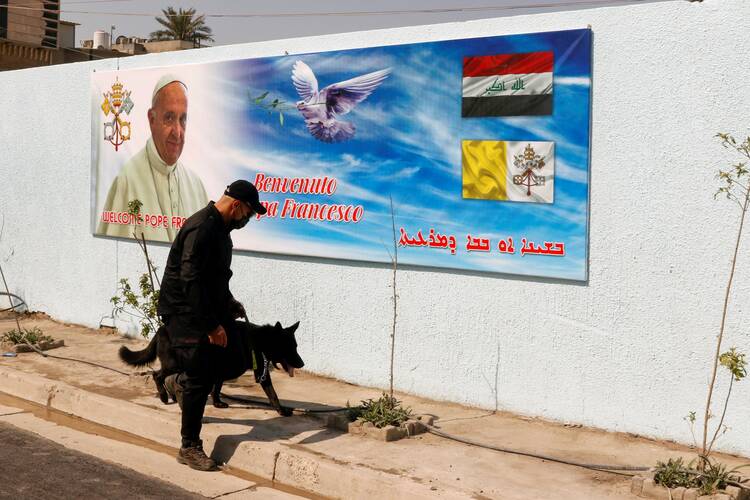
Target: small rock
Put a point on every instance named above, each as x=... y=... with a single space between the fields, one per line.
x=653 y=490
x=690 y=494
x=412 y=427
x=677 y=493
x=42 y=346
x=340 y=422
x=572 y=425
x=721 y=496
x=426 y=419
x=737 y=493
x=392 y=433
x=733 y=491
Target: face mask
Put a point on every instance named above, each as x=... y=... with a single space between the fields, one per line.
x=240 y=223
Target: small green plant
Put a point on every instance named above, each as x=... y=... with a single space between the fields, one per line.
x=673 y=474
x=734 y=362
x=142 y=305
x=134 y=206
x=715 y=476
x=383 y=411
x=31 y=335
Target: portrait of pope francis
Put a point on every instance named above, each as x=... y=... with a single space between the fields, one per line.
x=154 y=175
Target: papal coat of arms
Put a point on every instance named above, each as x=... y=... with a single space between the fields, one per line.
x=117 y=102
x=527 y=163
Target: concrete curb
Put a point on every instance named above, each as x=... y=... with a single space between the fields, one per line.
x=284 y=463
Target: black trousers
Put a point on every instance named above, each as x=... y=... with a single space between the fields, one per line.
x=199 y=365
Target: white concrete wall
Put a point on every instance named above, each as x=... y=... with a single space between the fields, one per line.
x=628 y=351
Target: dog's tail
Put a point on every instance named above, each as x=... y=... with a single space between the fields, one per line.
x=140 y=358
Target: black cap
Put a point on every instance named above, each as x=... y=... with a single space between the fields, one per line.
x=245 y=191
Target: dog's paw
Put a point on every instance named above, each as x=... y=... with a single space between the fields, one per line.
x=220 y=404
x=285 y=411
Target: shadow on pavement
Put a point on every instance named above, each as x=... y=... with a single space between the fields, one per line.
x=269 y=430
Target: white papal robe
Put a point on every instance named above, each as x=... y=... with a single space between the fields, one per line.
x=168 y=190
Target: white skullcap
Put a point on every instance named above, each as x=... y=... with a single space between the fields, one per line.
x=163 y=82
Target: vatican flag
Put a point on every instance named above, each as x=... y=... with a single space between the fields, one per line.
x=509 y=170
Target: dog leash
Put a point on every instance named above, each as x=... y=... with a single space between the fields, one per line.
x=266 y=404
x=264 y=375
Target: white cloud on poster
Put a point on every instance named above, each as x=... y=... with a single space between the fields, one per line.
x=581 y=81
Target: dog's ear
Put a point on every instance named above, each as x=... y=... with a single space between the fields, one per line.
x=293 y=328
x=277 y=325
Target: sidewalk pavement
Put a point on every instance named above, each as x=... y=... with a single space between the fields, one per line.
x=300 y=452
x=80 y=464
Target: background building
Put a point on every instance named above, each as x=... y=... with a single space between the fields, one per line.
x=135 y=45
x=28 y=33
x=32 y=34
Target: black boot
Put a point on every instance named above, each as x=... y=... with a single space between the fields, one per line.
x=194 y=457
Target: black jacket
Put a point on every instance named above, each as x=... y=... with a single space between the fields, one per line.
x=196 y=279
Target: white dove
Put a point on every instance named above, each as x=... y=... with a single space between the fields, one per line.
x=321 y=109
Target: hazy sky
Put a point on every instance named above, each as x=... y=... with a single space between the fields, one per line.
x=101 y=14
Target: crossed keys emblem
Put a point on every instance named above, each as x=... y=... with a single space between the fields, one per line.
x=527 y=163
x=117 y=102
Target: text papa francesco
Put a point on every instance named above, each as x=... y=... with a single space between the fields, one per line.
x=292 y=209
x=150 y=220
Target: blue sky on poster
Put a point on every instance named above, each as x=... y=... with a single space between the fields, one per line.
x=407 y=144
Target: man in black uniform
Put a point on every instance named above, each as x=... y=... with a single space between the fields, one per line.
x=195 y=305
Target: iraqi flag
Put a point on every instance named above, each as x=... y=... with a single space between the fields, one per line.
x=508 y=85
x=508 y=171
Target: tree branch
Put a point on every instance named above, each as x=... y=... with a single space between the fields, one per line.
x=723 y=414
x=395 y=295
x=721 y=330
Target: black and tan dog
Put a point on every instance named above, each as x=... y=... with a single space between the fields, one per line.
x=249 y=347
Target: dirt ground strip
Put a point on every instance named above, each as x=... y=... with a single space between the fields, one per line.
x=426 y=459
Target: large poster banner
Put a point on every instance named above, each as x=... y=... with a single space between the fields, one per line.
x=466 y=154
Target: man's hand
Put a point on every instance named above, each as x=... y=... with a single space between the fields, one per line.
x=218 y=336
x=237 y=310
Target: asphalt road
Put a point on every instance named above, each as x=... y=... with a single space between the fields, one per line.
x=32 y=467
